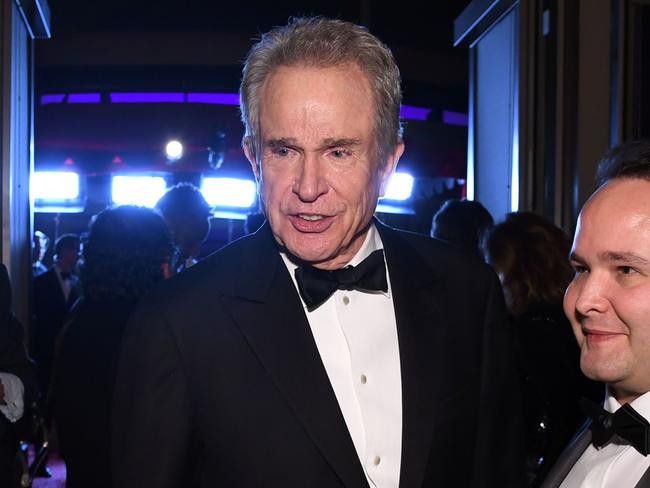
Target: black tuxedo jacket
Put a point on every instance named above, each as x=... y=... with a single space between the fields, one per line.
x=570 y=457
x=220 y=382
x=50 y=310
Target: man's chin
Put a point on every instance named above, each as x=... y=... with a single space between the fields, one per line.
x=598 y=371
x=311 y=248
x=311 y=256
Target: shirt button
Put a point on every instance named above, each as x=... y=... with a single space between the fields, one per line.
x=346 y=300
x=364 y=379
x=376 y=460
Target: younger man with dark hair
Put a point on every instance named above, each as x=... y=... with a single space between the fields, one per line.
x=608 y=304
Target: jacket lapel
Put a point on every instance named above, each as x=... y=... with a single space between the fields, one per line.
x=644 y=482
x=568 y=458
x=266 y=307
x=418 y=300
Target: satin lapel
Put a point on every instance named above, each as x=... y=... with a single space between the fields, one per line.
x=644 y=482
x=417 y=298
x=268 y=311
x=568 y=458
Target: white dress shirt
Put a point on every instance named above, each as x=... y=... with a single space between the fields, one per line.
x=14 y=391
x=356 y=335
x=615 y=466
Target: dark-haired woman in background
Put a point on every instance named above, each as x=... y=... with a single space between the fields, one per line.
x=530 y=255
x=127 y=252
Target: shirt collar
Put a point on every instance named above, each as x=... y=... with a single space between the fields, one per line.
x=640 y=404
x=371 y=243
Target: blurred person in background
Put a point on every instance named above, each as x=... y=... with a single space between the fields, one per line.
x=530 y=255
x=40 y=243
x=462 y=223
x=187 y=215
x=127 y=253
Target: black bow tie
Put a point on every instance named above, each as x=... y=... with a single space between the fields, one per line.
x=626 y=423
x=317 y=285
x=66 y=275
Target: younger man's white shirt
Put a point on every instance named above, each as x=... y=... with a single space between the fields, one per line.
x=611 y=466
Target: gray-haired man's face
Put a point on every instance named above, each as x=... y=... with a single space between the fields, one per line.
x=319 y=176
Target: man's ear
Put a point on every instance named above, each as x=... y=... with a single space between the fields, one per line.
x=249 y=151
x=389 y=168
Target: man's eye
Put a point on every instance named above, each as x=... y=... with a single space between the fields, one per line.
x=626 y=270
x=282 y=151
x=340 y=153
x=579 y=269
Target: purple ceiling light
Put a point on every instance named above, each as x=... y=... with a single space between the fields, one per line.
x=84 y=98
x=214 y=98
x=53 y=98
x=414 y=113
x=409 y=112
x=454 y=118
x=147 y=97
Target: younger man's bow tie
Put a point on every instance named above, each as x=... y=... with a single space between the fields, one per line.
x=66 y=275
x=317 y=285
x=626 y=423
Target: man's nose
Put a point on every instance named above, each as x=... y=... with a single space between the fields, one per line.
x=311 y=182
x=592 y=295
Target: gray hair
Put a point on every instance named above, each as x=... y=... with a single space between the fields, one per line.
x=322 y=42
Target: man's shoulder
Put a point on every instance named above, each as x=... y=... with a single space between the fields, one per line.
x=195 y=297
x=435 y=253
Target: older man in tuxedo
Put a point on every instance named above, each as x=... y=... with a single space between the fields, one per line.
x=326 y=349
x=608 y=304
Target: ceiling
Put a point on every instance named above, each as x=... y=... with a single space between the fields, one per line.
x=406 y=25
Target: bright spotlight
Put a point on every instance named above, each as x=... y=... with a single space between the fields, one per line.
x=174 y=150
x=54 y=185
x=138 y=190
x=229 y=192
x=400 y=187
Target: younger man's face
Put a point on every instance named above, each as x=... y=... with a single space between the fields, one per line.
x=608 y=301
